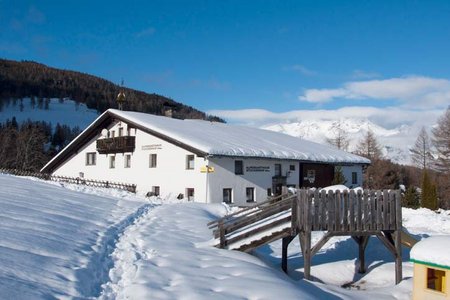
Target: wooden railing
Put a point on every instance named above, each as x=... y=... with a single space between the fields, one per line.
x=118 y=144
x=348 y=211
x=238 y=226
x=310 y=210
x=75 y=180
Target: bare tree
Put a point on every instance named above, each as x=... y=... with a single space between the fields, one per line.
x=421 y=151
x=340 y=139
x=441 y=141
x=369 y=147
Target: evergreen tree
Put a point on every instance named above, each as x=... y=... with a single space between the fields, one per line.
x=429 y=194
x=421 y=151
x=411 y=198
x=339 y=177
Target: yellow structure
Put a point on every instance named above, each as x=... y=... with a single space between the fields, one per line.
x=431 y=269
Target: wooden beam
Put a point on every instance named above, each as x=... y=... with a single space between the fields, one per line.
x=320 y=243
x=284 y=251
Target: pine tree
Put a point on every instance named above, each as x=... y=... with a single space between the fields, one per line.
x=340 y=139
x=339 y=177
x=411 y=198
x=441 y=141
x=429 y=194
x=421 y=151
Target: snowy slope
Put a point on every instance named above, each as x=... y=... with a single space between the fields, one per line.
x=64 y=242
x=395 y=142
x=55 y=242
x=63 y=112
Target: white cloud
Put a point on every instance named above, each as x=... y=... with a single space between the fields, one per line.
x=410 y=91
x=388 y=117
x=145 y=32
x=300 y=69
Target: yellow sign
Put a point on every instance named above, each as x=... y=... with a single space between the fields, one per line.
x=207 y=169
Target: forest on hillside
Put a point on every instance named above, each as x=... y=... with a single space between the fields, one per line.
x=28 y=79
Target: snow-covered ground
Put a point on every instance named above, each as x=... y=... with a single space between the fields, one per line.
x=73 y=241
x=64 y=111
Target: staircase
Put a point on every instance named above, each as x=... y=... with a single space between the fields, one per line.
x=256 y=225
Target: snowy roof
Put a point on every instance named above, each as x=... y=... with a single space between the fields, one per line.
x=432 y=250
x=216 y=138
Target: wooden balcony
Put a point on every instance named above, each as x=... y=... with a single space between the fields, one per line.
x=119 y=144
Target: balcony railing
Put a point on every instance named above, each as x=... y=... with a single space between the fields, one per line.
x=119 y=144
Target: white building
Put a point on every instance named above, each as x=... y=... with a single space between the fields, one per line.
x=200 y=160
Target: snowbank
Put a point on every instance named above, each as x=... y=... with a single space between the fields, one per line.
x=55 y=242
x=433 y=250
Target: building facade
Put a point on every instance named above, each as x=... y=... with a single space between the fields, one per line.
x=197 y=160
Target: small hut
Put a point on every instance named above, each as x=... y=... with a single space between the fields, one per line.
x=431 y=268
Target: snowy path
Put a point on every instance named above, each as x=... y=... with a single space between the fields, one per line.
x=55 y=242
x=164 y=256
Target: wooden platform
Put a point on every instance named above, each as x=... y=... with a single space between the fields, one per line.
x=357 y=214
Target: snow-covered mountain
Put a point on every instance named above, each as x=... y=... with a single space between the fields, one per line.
x=395 y=141
x=62 y=111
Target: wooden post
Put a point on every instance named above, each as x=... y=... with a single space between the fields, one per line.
x=221 y=235
x=285 y=244
x=362 y=244
x=397 y=238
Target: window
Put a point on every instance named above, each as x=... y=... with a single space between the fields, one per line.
x=90 y=159
x=277 y=169
x=269 y=192
x=153 y=160
x=129 y=131
x=112 y=162
x=250 y=194
x=292 y=168
x=238 y=167
x=112 y=133
x=227 y=198
x=354 y=178
x=155 y=190
x=127 y=163
x=120 y=131
x=190 y=194
x=436 y=280
x=190 y=162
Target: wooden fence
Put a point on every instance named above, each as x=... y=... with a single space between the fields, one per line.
x=75 y=180
x=348 y=211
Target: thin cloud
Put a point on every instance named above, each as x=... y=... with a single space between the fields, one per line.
x=387 y=117
x=410 y=91
x=360 y=74
x=300 y=69
x=146 y=32
x=35 y=16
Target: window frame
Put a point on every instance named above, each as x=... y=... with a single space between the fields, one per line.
x=230 y=190
x=252 y=189
x=127 y=161
x=190 y=158
x=354 y=177
x=150 y=163
x=112 y=162
x=120 y=131
x=188 y=192
x=291 y=168
x=279 y=171
x=92 y=162
x=236 y=166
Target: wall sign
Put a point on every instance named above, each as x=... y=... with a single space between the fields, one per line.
x=257 y=169
x=152 y=147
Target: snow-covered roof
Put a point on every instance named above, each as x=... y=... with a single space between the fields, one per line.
x=432 y=250
x=216 y=139
x=222 y=139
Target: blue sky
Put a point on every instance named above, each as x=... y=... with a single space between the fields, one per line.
x=248 y=57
